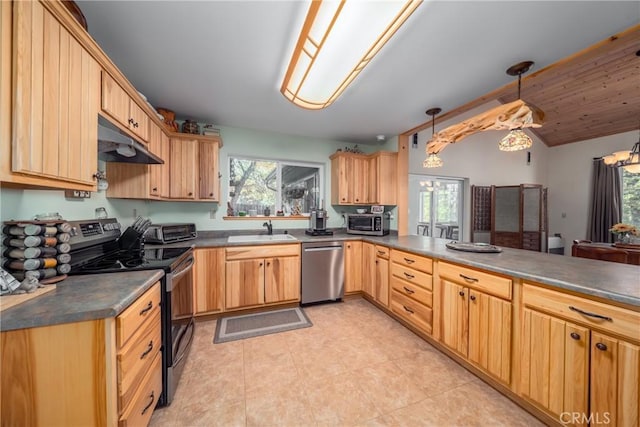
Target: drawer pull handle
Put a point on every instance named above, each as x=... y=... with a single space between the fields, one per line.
x=381 y=252
x=409 y=260
x=408 y=309
x=601 y=346
x=468 y=279
x=586 y=313
x=153 y=398
x=147 y=308
x=409 y=291
x=575 y=335
x=472 y=297
x=409 y=276
x=147 y=351
x=461 y=293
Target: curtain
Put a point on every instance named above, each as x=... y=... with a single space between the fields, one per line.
x=606 y=201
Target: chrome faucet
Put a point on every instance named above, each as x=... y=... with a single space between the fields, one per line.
x=269 y=227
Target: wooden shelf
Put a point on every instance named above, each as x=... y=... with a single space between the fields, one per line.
x=262 y=218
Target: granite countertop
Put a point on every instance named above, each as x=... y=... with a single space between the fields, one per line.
x=611 y=281
x=81 y=298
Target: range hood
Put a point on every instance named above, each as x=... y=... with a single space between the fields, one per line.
x=114 y=146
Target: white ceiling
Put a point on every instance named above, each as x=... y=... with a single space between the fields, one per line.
x=222 y=62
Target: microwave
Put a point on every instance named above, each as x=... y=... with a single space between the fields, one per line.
x=368 y=224
x=170 y=233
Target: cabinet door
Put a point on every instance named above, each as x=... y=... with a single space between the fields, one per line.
x=339 y=181
x=115 y=101
x=282 y=279
x=155 y=171
x=382 y=281
x=209 y=188
x=182 y=165
x=615 y=370
x=386 y=178
x=56 y=98
x=165 y=169
x=244 y=284
x=359 y=180
x=455 y=317
x=373 y=185
x=555 y=363
x=490 y=334
x=208 y=280
x=353 y=266
x=369 y=268
x=138 y=120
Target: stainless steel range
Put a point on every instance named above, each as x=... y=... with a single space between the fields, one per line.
x=98 y=246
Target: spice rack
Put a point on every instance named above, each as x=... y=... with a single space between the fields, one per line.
x=38 y=249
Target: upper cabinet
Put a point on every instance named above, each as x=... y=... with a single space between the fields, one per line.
x=117 y=104
x=56 y=97
x=359 y=179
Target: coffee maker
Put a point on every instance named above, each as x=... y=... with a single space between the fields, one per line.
x=318 y=223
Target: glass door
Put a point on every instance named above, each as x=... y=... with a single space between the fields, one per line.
x=437 y=206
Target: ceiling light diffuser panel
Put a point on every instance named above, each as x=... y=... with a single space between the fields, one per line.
x=338 y=39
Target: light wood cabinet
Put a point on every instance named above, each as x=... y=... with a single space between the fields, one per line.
x=209 y=179
x=360 y=179
x=577 y=362
x=353 y=267
x=382 y=275
x=411 y=289
x=474 y=323
x=369 y=269
x=158 y=174
x=56 y=98
x=258 y=275
x=117 y=104
x=98 y=372
x=208 y=280
x=193 y=165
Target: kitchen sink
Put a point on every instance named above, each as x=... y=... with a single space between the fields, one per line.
x=256 y=238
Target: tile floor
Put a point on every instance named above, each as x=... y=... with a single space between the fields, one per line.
x=355 y=367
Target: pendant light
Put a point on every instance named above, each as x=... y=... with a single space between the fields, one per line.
x=628 y=160
x=432 y=160
x=516 y=139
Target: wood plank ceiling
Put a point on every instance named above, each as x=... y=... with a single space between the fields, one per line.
x=593 y=93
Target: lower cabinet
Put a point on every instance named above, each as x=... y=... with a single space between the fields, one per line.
x=573 y=363
x=474 y=323
x=208 y=280
x=369 y=269
x=353 y=267
x=381 y=286
x=257 y=275
x=96 y=372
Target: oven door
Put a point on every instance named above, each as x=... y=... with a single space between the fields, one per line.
x=180 y=325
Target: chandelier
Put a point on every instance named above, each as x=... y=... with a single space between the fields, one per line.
x=432 y=160
x=516 y=139
x=628 y=160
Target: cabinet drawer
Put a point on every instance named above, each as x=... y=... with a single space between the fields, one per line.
x=618 y=320
x=418 y=278
x=133 y=317
x=415 y=313
x=417 y=293
x=485 y=282
x=138 y=413
x=382 y=251
x=135 y=359
x=414 y=261
x=264 y=251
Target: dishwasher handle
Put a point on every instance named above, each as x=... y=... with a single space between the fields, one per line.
x=324 y=248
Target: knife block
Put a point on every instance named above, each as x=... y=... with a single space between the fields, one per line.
x=131 y=240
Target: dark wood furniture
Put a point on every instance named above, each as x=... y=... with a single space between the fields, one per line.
x=605 y=252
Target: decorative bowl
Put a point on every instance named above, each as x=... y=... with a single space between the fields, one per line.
x=361 y=210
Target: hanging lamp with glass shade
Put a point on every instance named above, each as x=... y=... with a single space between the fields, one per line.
x=628 y=160
x=432 y=160
x=516 y=139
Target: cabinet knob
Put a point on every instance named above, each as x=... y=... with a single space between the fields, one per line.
x=155 y=189
x=574 y=335
x=601 y=346
x=135 y=125
x=472 y=297
x=130 y=121
x=357 y=200
x=461 y=293
x=210 y=194
x=190 y=193
x=260 y=265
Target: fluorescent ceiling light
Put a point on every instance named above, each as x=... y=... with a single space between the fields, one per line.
x=338 y=39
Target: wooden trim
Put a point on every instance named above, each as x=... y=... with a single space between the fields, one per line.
x=402 y=188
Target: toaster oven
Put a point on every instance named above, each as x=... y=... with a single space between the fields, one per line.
x=170 y=233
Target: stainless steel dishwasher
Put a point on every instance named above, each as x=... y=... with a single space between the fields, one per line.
x=322 y=272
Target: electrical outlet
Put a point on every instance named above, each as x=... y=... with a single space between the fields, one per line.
x=135 y=212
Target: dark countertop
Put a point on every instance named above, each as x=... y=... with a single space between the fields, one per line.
x=611 y=281
x=81 y=298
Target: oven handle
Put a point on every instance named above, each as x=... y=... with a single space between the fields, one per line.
x=190 y=327
x=182 y=271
